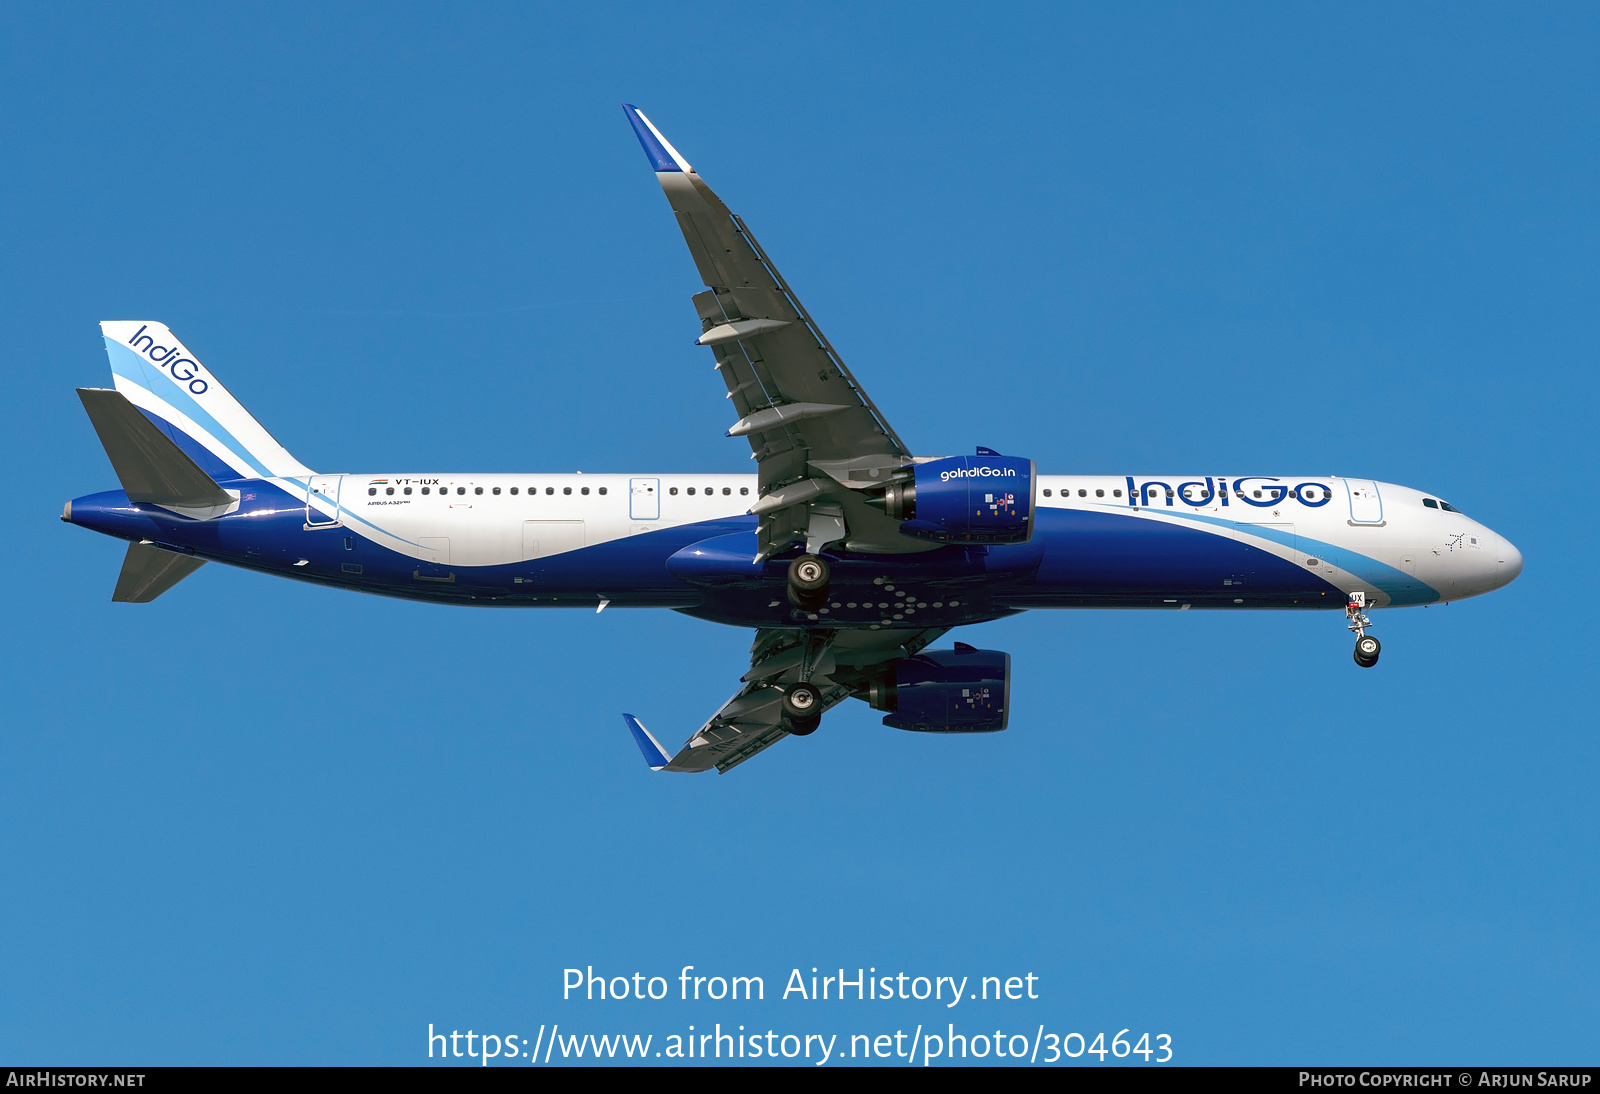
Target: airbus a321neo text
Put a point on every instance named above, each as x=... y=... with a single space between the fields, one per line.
x=845 y=553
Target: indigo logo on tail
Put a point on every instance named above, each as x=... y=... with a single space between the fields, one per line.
x=182 y=369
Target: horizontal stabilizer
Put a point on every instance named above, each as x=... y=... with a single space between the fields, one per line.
x=147 y=572
x=654 y=754
x=150 y=466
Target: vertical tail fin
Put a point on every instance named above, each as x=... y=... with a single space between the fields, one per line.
x=159 y=375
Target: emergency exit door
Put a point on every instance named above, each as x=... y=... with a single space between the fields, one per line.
x=644 y=499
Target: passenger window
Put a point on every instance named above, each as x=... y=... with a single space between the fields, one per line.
x=1083 y=493
x=407 y=490
x=710 y=490
x=1047 y=491
x=477 y=489
x=1099 y=493
x=496 y=490
x=388 y=489
x=1430 y=503
x=566 y=489
x=461 y=489
x=602 y=490
x=1114 y=493
x=1258 y=493
x=672 y=490
x=743 y=490
x=424 y=489
x=583 y=490
x=689 y=491
x=727 y=490
x=513 y=491
x=552 y=490
x=1169 y=493
x=1294 y=495
x=372 y=491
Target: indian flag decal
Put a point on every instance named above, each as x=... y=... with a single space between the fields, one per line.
x=379 y=482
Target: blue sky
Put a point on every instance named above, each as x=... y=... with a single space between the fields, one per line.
x=259 y=822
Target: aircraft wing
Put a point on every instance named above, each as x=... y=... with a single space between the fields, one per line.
x=815 y=433
x=840 y=663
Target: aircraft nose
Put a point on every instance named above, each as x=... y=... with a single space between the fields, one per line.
x=1510 y=561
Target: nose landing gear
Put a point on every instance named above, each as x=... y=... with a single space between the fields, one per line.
x=1367 y=647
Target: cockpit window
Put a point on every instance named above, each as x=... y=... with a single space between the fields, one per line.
x=1448 y=508
x=1430 y=503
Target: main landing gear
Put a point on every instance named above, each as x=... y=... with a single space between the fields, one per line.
x=808 y=591
x=802 y=708
x=808 y=582
x=1367 y=647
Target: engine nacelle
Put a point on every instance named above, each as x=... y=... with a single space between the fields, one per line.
x=986 y=498
x=964 y=690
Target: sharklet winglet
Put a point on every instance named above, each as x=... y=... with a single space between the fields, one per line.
x=654 y=754
x=663 y=157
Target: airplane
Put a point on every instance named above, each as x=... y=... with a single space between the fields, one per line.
x=846 y=554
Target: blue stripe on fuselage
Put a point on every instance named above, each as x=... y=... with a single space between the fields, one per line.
x=1401 y=588
x=1094 y=553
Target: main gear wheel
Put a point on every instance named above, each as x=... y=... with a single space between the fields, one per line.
x=808 y=582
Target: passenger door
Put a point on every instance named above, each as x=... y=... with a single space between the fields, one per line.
x=1366 y=506
x=324 y=488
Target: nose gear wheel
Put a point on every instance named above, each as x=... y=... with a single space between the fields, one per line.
x=1367 y=647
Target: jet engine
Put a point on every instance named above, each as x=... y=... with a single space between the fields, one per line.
x=964 y=690
x=987 y=498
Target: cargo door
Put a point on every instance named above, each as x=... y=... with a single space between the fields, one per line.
x=1280 y=534
x=1265 y=541
x=543 y=538
x=435 y=563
